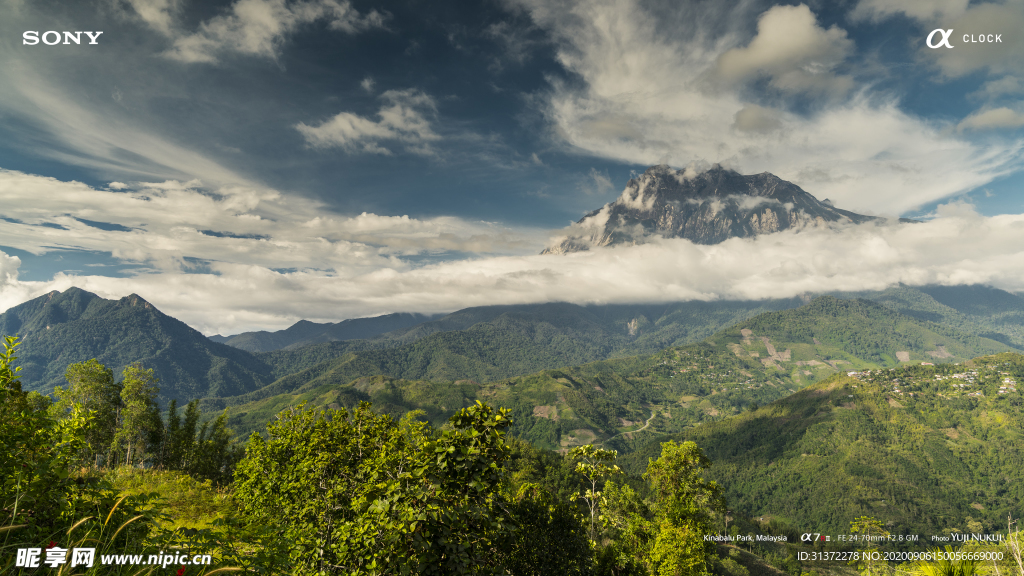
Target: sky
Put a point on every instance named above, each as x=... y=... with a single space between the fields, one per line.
x=245 y=164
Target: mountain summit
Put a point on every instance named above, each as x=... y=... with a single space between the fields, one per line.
x=705 y=208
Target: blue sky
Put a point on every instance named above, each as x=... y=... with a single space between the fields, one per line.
x=247 y=163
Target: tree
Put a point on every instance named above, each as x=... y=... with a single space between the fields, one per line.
x=358 y=493
x=871 y=531
x=686 y=505
x=214 y=454
x=91 y=389
x=549 y=537
x=139 y=417
x=36 y=494
x=628 y=522
x=596 y=465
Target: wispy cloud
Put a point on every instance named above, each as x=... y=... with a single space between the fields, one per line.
x=57 y=123
x=160 y=15
x=651 y=88
x=405 y=118
x=993 y=118
x=162 y=225
x=254 y=27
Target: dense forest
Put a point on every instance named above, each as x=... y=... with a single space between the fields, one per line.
x=336 y=490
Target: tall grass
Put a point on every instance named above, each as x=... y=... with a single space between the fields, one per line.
x=133 y=513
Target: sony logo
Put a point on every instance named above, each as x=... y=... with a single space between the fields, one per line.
x=51 y=37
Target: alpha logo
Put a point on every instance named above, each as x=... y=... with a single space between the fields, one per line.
x=945 y=38
x=52 y=37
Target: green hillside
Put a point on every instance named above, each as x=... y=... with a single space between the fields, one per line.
x=623 y=329
x=1001 y=312
x=990 y=312
x=304 y=332
x=509 y=344
x=858 y=331
x=61 y=328
x=484 y=344
x=926 y=449
x=621 y=402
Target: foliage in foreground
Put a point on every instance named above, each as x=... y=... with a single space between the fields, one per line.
x=361 y=494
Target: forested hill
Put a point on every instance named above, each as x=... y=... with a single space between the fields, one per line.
x=304 y=332
x=983 y=310
x=646 y=328
x=926 y=449
x=999 y=311
x=491 y=343
x=866 y=331
x=619 y=402
x=61 y=328
x=482 y=344
x=620 y=329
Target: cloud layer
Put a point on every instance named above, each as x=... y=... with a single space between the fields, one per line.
x=264 y=267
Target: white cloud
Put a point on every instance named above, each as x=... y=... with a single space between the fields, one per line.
x=161 y=15
x=259 y=27
x=992 y=119
x=798 y=55
x=367 y=84
x=596 y=182
x=648 y=91
x=998 y=88
x=404 y=119
x=172 y=221
x=754 y=118
x=957 y=247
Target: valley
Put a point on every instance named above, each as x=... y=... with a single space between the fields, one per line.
x=926 y=449
x=897 y=406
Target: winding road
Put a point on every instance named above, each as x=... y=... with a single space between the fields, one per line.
x=646 y=424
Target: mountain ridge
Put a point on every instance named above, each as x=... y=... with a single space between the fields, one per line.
x=61 y=328
x=705 y=208
x=756 y=360
x=305 y=332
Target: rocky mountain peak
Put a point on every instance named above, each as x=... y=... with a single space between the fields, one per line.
x=704 y=207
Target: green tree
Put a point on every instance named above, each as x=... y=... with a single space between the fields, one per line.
x=628 y=523
x=596 y=465
x=91 y=389
x=686 y=507
x=215 y=454
x=871 y=531
x=139 y=417
x=181 y=437
x=36 y=494
x=357 y=493
x=549 y=536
